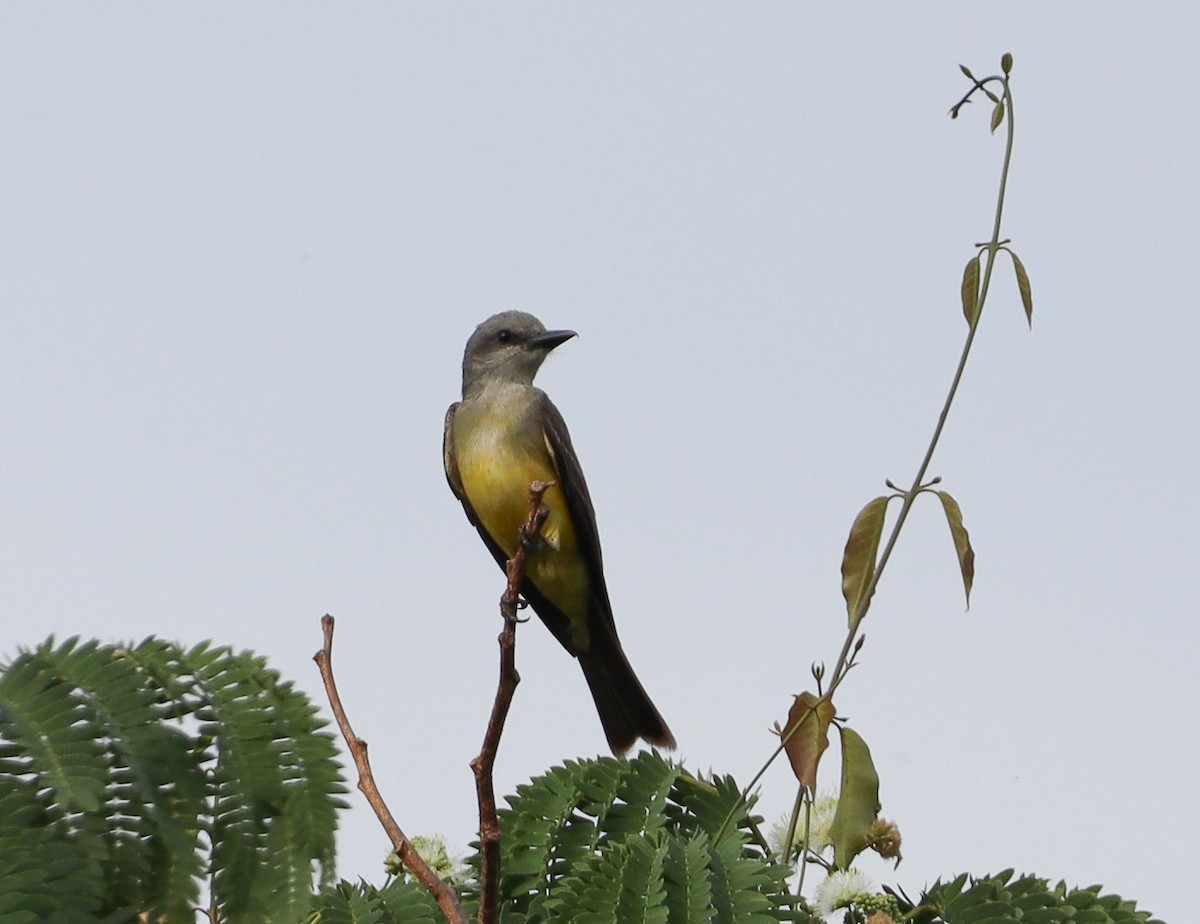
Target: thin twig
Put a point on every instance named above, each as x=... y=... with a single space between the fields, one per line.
x=444 y=895
x=482 y=766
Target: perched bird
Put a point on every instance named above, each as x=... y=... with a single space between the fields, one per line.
x=503 y=435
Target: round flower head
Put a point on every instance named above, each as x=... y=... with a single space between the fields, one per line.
x=840 y=889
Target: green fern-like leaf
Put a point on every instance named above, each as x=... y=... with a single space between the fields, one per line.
x=138 y=820
x=703 y=805
x=45 y=874
x=399 y=903
x=638 y=840
x=50 y=728
x=746 y=885
x=689 y=886
x=642 y=798
x=311 y=774
x=262 y=816
x=623 y=883
x=350 y=904
x=1001 y=898
x=550 y=824
x=132 y=772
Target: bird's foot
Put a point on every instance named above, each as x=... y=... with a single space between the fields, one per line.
x=532 y=543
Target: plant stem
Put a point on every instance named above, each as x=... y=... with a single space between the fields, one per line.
x=845 y=656
x=910 y=496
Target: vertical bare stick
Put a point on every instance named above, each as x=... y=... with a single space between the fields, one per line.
x=489 y=824
x=444 y=895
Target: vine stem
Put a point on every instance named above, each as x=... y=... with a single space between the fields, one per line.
x=910 y=496
x=849 y=646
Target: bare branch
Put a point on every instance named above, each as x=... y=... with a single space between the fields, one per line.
x=444 y=895
x=482 y=766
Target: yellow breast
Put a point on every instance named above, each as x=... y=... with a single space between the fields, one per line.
x=496 y=474
x=499 y=454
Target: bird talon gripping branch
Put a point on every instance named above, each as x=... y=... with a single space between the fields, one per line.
x=530 y=543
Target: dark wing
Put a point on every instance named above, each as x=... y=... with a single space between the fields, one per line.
x=579 y=502
x=625 y=710
x=450 y=461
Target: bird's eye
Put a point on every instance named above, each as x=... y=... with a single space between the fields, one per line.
x=504 y=336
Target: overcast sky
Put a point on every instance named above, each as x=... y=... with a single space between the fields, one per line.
x=242 y=248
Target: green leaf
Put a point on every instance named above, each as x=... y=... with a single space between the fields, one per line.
x=622 y=883
x=1000 y=899
x=1043 y=916
x=858 y=801
x=997 y=116
x=987 y=912
x=127 y=763
x=1023 y=287
x=970 y=289
x=688 y=884
x=962 y=541
x=959 y=907
x=361 y=903
x=858 y=560
x=807 y=730
x=967 y=71
x=615 y=840
x=54 y=727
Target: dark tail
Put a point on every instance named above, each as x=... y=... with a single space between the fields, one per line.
x=625 y=710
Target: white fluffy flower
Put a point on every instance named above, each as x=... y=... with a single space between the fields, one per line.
x=841 y=888
x=823 y=811
x=435 y=852
x=824 y=808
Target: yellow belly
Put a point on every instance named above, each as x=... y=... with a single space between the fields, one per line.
x=496 y=472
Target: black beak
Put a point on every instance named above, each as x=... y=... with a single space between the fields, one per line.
x=548 y=340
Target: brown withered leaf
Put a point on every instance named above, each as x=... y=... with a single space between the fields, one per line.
x=810 y=717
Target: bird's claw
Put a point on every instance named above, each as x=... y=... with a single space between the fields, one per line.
x=530 y=543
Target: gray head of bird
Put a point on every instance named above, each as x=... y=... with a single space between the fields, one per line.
x=508 y=348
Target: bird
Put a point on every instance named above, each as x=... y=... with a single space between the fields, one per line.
x=501 y=437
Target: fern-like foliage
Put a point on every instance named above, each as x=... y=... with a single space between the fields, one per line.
x=400 y=902
x=130 y=775
x=636 y=841
x=1002 y=898
x=148 y=781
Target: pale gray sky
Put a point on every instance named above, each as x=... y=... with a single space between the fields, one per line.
x=243 y=247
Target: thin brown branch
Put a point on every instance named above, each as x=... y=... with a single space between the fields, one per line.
x=444 y=895
x=489 y=824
